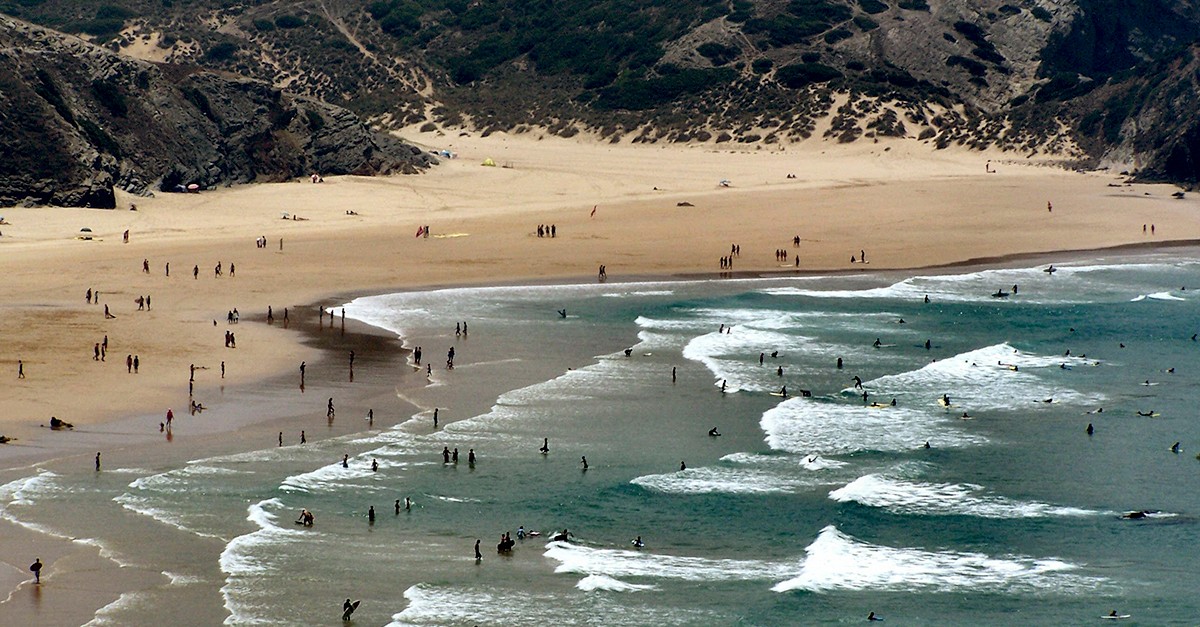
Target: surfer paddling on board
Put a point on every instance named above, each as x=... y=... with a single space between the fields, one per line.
x=714 y=433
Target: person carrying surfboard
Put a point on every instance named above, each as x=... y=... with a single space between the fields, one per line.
x=348 y=608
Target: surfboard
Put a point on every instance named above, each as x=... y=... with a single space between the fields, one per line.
x=1117 y=617
x=779 y=394
x=943 y=403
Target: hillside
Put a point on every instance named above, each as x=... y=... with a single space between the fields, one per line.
x=80 y=120
x=1097 y=82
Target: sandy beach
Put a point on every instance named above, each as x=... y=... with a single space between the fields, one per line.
x=638 y=210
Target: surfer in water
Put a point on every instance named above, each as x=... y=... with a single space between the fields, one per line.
x=348 y=608
x=583 y=462
x=1090 y=429
x=857 y=383
x=637 y=542
x=1175 y=448
x=946 y=400
x=545 y=446
x=1146 y=414
x=872 y=617
x=562 y=313
x=714 y=433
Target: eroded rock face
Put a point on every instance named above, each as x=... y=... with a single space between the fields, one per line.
x=79 y=120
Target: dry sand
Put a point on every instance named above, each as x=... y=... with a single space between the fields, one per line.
x=904 y=203
x=907 y=205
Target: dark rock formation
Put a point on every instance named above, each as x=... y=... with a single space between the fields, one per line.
x=79 y=120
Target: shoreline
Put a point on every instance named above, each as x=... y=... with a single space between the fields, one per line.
x=380 y=353
x=313 y=339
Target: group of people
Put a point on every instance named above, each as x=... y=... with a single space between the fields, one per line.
x=547 y=230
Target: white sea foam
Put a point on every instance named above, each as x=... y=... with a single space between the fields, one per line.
x=943 y=499
x=712 y=479
x=1164 y=296
x=839 y=562
x=111 y=614
x=179 y=479
x=252 y=555
x=22 y=492
x=992 y=377
x=434 y=605
x=808 y=462
x=728 y=356
x=808 y=427
x=145 y=506
x=608 y=584
x=584 y=560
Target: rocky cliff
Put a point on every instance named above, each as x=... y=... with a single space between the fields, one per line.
x=80 y=120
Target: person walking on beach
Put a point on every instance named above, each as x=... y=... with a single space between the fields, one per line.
x=222 y=370
x=97 y=462
x=36 y=568
x=583 y=462
x=20 y=369
x=371 y=515
x=329 y=409
x=89 y=292
x=303 y=440
x=196 y=271
x=168 y=269
x=478 y=555
x=435 y=417
x=96 y=352
x=280 y=438
x=302 y=365
x=471 y=457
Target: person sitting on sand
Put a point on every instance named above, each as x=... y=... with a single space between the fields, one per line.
x=57 y=424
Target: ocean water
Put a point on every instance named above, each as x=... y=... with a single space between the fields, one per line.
x=809 y=509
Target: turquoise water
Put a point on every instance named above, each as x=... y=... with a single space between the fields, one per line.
x=805 y=510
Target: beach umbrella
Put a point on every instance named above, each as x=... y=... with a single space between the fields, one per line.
x=85 y=230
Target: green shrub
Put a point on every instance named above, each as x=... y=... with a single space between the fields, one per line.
x=762 y=66
x=110 y=96
x=872 y=6
x=289 y=21
x=222 y=51
x=718 y=54
x=800 y=75
x=837 y=34
x=264 y=25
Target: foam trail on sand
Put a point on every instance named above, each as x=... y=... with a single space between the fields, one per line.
x=837 y=561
